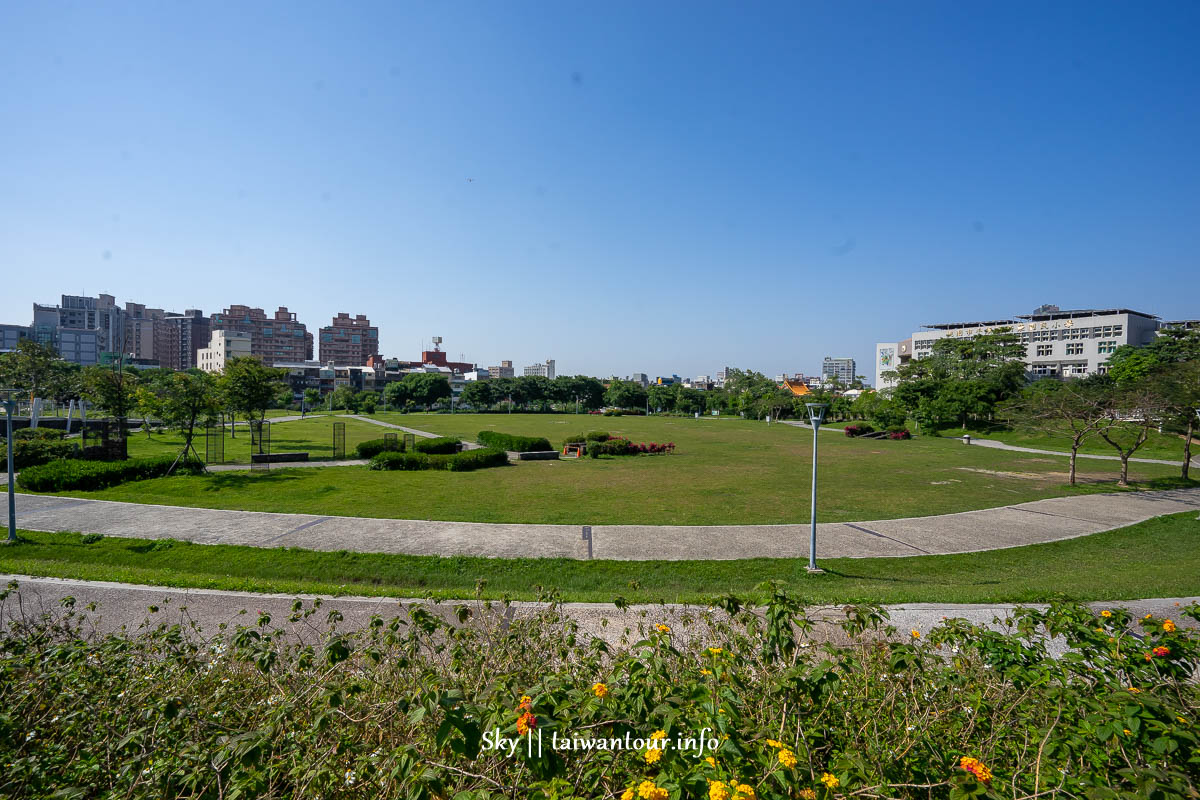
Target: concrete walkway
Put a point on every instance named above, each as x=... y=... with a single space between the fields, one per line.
x=989 y=529
x=998 y=445
x=128 y=605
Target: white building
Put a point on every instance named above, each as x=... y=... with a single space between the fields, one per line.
x=840 y=368
x=546 y=370
x=1057 y=343
x=222 y=346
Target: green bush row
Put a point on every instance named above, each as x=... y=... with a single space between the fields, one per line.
x=37 y=433
x=30 y=452
x=443 y=445
x=373 y=447
x=611 y=447
x=76 y=475
x=590 y=436
x=465 y=461
x=1060 y=702
x=521 y=444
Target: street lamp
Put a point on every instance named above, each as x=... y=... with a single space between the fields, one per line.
x=10 y=407
x=816 y=415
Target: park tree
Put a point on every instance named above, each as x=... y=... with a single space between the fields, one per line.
x=396 y=394
x=625 y=394
x=312 y=398
x=535 y=390
x=1179 y=385
x=1131 y=413
x=249 y=388
x=344 y=397
x=1130 y=364
x=478 y=395
x=1075 y=409
x=689 y=401
x=427 y=388
x=182 y=400
x=113 y=388
x=662 y=398
x=31 y=367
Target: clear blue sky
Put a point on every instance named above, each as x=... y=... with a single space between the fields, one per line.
x=657 y=187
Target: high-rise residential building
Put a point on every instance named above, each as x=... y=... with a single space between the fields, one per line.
x=349 y=342
x=723 y=375
x=81 y=328
x=840 y=368
x=546 y=370
x=505 y=370
x=182 y=336
x=147 y=336
x=281 y=338
x=222 y=346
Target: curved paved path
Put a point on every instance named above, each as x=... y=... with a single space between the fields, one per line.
x=989 y=529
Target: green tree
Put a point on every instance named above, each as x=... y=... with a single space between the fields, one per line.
x=1130 y=364
x=181 y=400
x=1179 y=384
x=478 y=395
x=249 y=388
x=312 y=398
x=1074 y=409
x=1132 y=412
x=396 y=395
x=534 y=390
x=662 y=398
x=427 y=388
x=114 y=389
x=625 y=394
x=30 y=367
x=344 y=397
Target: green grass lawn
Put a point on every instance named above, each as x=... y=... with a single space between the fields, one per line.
x=313 y=435
x=1157 y=558
x=724 y=471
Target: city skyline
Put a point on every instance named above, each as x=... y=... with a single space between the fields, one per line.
x=541 y=182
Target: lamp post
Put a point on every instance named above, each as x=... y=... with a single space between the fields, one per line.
x=10 y=408
x=816 y=415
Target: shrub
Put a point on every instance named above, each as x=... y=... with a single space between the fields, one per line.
x=810 y=702
x=86 y=476
x=443 y=445
x=858 y=430
x=393 y=460
x=469 y=460
x=900 y=434
x=373 y=447
x=29 y=451
x=91 y=538
x=590 y=436
x=616 y=446
x=521 y=444
x=37 y=433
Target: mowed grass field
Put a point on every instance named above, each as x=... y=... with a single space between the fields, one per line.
x=313 y=435
x=724 y=471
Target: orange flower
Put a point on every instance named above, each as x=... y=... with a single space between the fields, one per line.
x=1161 y=651
x=1168 y=626
x=976 y=768
x=525 y=722
x=600 y=690
x=662 y=628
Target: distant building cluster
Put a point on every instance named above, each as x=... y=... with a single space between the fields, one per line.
x=1058 y=343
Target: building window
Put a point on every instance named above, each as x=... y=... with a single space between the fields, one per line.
x=1074 y=348
x=1045 y=349
x=1106 y=347
x=1045 y=369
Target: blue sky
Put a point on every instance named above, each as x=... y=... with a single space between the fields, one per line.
x=656 y=187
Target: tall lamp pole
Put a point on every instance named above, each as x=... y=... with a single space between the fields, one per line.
x=816 y=415
x=10 y=407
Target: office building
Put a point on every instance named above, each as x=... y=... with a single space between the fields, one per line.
x=641 y=379
x=349 y=342
x=80 y=328
x=10 y=335
x=841 y=369
x=505 y=370
x=546 y=370
x=222 y=346
x=1057 y=343
x=278 y=339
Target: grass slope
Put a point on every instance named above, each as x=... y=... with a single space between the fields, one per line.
x=1157 y=558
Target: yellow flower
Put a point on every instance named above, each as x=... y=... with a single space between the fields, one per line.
x=720 y=711
x=712 y=762
x=1106 y=613
x=787 y=758
x=808 y=794
x=659 y=734
x=652 y=755
x=1099 y=630
x=662 y=628
x=627 y=794
x=743 y=792
x=1182 y=721
x=648 y=791
x=1128 y=732
x=830 y=780
x=706 y=672
x=600 y=690
x=717 y=790
x=1135 y=690
x=1147 y=616
x=916 y=634
x=774 y=743
x=716 y=651
x=1168 y=626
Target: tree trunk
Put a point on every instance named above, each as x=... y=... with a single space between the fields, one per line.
x=1124 y=470
x=1187 y=448
x=1071 y=471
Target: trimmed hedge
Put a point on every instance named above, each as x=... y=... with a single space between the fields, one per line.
x=443 y=445
x=75 y=475
x=37 y=433
x=466 y=461
x=615 y=446
x=373 y=447
x=521 y=444
x=590 y=436
x=32 y=451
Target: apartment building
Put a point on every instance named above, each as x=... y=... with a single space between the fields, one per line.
x=222 y=346
x=349 y=341
x=277 y=339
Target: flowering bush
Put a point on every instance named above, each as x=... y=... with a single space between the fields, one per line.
x=858 y=430
x=406 y=707
x=620 y=446
x=900 y=434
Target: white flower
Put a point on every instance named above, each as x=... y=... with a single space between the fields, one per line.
x=55 y=718
x=351 y=778
x=29 y=736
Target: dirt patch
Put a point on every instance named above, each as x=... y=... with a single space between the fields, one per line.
x=1045 y=477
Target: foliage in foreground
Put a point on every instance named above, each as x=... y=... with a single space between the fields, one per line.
x=406 y=707
x=73 y=475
